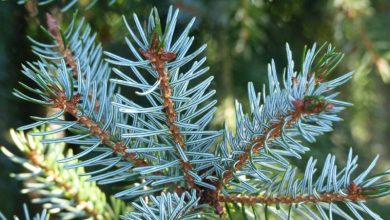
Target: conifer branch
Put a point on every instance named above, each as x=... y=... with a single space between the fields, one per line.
x=86 y=97
x=354 y=193
x=158 y=57
x=277 y=119
x=324 y=191
x=308 y=106
x=54 y=29
x=64 y=50
x=70 y=106
x=180 y=111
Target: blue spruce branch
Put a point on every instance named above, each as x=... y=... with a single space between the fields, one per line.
x=180 y=110
x=322 y=192
x=302 y=105
x=166 y=145
x=74 y=79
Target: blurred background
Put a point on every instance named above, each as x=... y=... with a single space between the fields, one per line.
x=242 y=37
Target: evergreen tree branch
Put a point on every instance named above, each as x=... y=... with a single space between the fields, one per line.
x=268 y=136
x=158 y=57
x=274 y=130
x=352 y=195
x=69 y=105
x=326 y=190
x=284 y=114
x=64 y=50
x=306 y=107
x=86 y=95
x=174 y=127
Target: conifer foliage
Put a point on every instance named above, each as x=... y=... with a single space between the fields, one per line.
x=161 y=155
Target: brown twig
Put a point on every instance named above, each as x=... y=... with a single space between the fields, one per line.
x=118 y=147
x=353 y=194
x=66 y=52
x=54 y=30
x=158 y=57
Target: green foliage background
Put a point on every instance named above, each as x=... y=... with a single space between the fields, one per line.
x=242 y=37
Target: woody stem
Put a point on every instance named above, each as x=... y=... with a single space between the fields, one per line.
x=288 y=200
x=158 y=57
x=118 y=147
